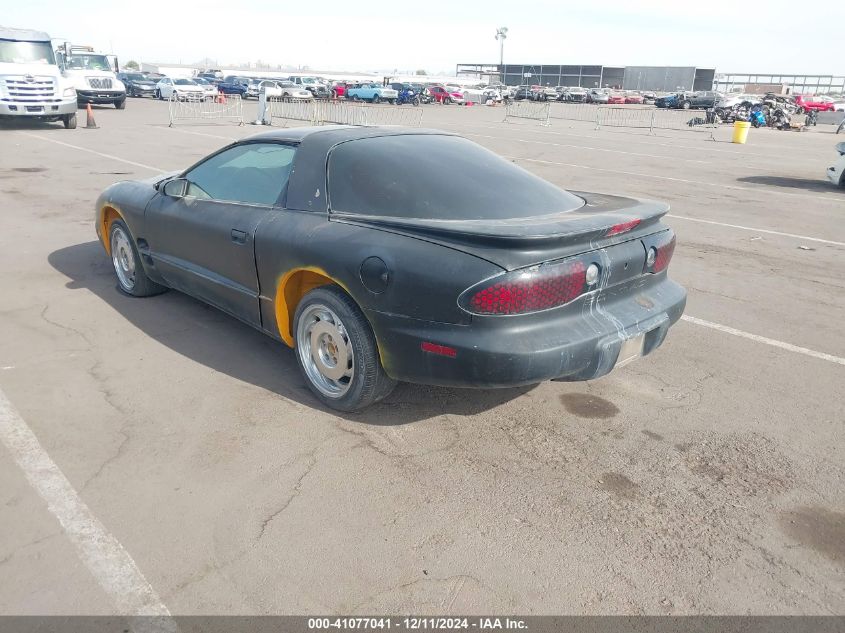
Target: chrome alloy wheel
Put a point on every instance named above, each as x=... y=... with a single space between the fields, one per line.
x=123 y=258
x=325 y=351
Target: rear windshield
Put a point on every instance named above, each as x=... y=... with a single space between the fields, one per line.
x=436 y=177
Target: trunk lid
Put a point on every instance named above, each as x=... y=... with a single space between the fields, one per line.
x=522 y=242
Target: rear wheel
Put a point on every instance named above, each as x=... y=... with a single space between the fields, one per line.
x=686 y=105
x=337 y=352
x=376 y=98
x=131 y=278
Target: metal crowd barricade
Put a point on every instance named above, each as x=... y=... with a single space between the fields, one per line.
x=341 y=112
x=219 y=108
x=573 y=111
x=608 y=116
x=694 y=120
x=537 y=111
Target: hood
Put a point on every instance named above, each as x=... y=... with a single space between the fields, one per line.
x=523 y=242
x=36 y=70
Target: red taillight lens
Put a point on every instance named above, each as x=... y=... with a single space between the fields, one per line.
x=663 y=251
x=530 y=291
x=664 y=255
x=622 y=227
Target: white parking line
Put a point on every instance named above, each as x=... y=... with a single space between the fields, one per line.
x=225 y=138
x=699 y=183
x=102 y=553
x=91 y=151
x=767 y=341
x=751 y=228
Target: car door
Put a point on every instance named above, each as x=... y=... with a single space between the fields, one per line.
x=201 y=239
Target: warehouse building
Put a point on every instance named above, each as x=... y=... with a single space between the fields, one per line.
x=659 y=78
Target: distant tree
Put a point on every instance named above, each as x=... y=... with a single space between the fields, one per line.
x=132 y=64
x=421 y=72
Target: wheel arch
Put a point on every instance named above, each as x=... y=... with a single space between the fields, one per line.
x=108 y=213
x=291 y=287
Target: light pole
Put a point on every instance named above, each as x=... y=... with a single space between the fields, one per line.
x=502 y=35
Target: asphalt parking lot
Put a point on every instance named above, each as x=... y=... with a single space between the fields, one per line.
x=706 y=478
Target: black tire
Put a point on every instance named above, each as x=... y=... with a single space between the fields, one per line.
x=447 y=100
x=143 y=286
x=686 y=105
x=69 y=121
x=369 y=382
x=157 y=94
x=376 y=98
x=120 y=105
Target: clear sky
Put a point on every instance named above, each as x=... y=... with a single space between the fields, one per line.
x=771 y=36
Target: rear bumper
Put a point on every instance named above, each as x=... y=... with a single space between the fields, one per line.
x=37 y=109
x=99 y=96
x=580 y=341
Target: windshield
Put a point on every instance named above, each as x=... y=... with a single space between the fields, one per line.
x=12 y=52
x=200 y=81
x=185 y=82
x=429 y=176
x=309 y=80
x=136 y=77
x=88 y=62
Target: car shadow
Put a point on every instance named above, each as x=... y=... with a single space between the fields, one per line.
x=788 y=182
x=216 y=340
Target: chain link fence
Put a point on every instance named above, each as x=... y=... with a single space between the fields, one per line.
x=195 y=108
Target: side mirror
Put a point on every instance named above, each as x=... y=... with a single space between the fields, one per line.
x=176 y=188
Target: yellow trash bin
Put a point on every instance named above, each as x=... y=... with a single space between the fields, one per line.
x=740 y=131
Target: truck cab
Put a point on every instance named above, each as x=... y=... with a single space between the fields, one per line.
x=92 y=75
x=31 y=84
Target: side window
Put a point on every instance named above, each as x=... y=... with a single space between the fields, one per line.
x=253 y=173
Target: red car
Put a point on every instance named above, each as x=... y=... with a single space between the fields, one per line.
x=338 y=90
x=638 y=99
x=811 y=102
x=441 y=95
x=616 y=98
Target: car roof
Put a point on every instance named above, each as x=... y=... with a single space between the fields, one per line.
x=307 y=185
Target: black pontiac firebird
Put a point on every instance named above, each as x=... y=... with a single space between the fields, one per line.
x=390 y=254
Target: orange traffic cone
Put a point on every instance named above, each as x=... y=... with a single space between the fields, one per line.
x=90 y=124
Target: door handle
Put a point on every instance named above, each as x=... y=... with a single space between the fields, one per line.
x=238 y=237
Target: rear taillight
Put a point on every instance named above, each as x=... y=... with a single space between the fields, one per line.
x=622 y=227
x=532 y=290
x=660 y=252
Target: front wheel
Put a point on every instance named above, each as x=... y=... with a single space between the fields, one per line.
x=131 y=278
x=69 y=121
x=120 y=105
x=337 y=352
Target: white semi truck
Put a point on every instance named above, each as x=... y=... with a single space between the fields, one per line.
x=93 y=75
x=31 y=84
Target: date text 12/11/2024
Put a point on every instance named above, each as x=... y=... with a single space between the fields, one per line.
x=417 y=623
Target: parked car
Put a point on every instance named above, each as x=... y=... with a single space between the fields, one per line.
x=575 y=94
x=549 y=93
x=523 y=93
x=616 y=98
x=649 y=98
x=442 y=95
x=701 y=99
x=291 y=91
x=234 y=85
x=137 y=85
x=507 y=280
x=182 y=88
x=670 y=101
x=597 y=96
x=316 y=87
x=212 y=77
x=810 y=102
x=253 y=88
x=836 y=173
x=372 y=92
x=209 y=89
x=338 y=90
x=635 y=98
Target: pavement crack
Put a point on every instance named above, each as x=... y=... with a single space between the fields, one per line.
x=297 y=487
